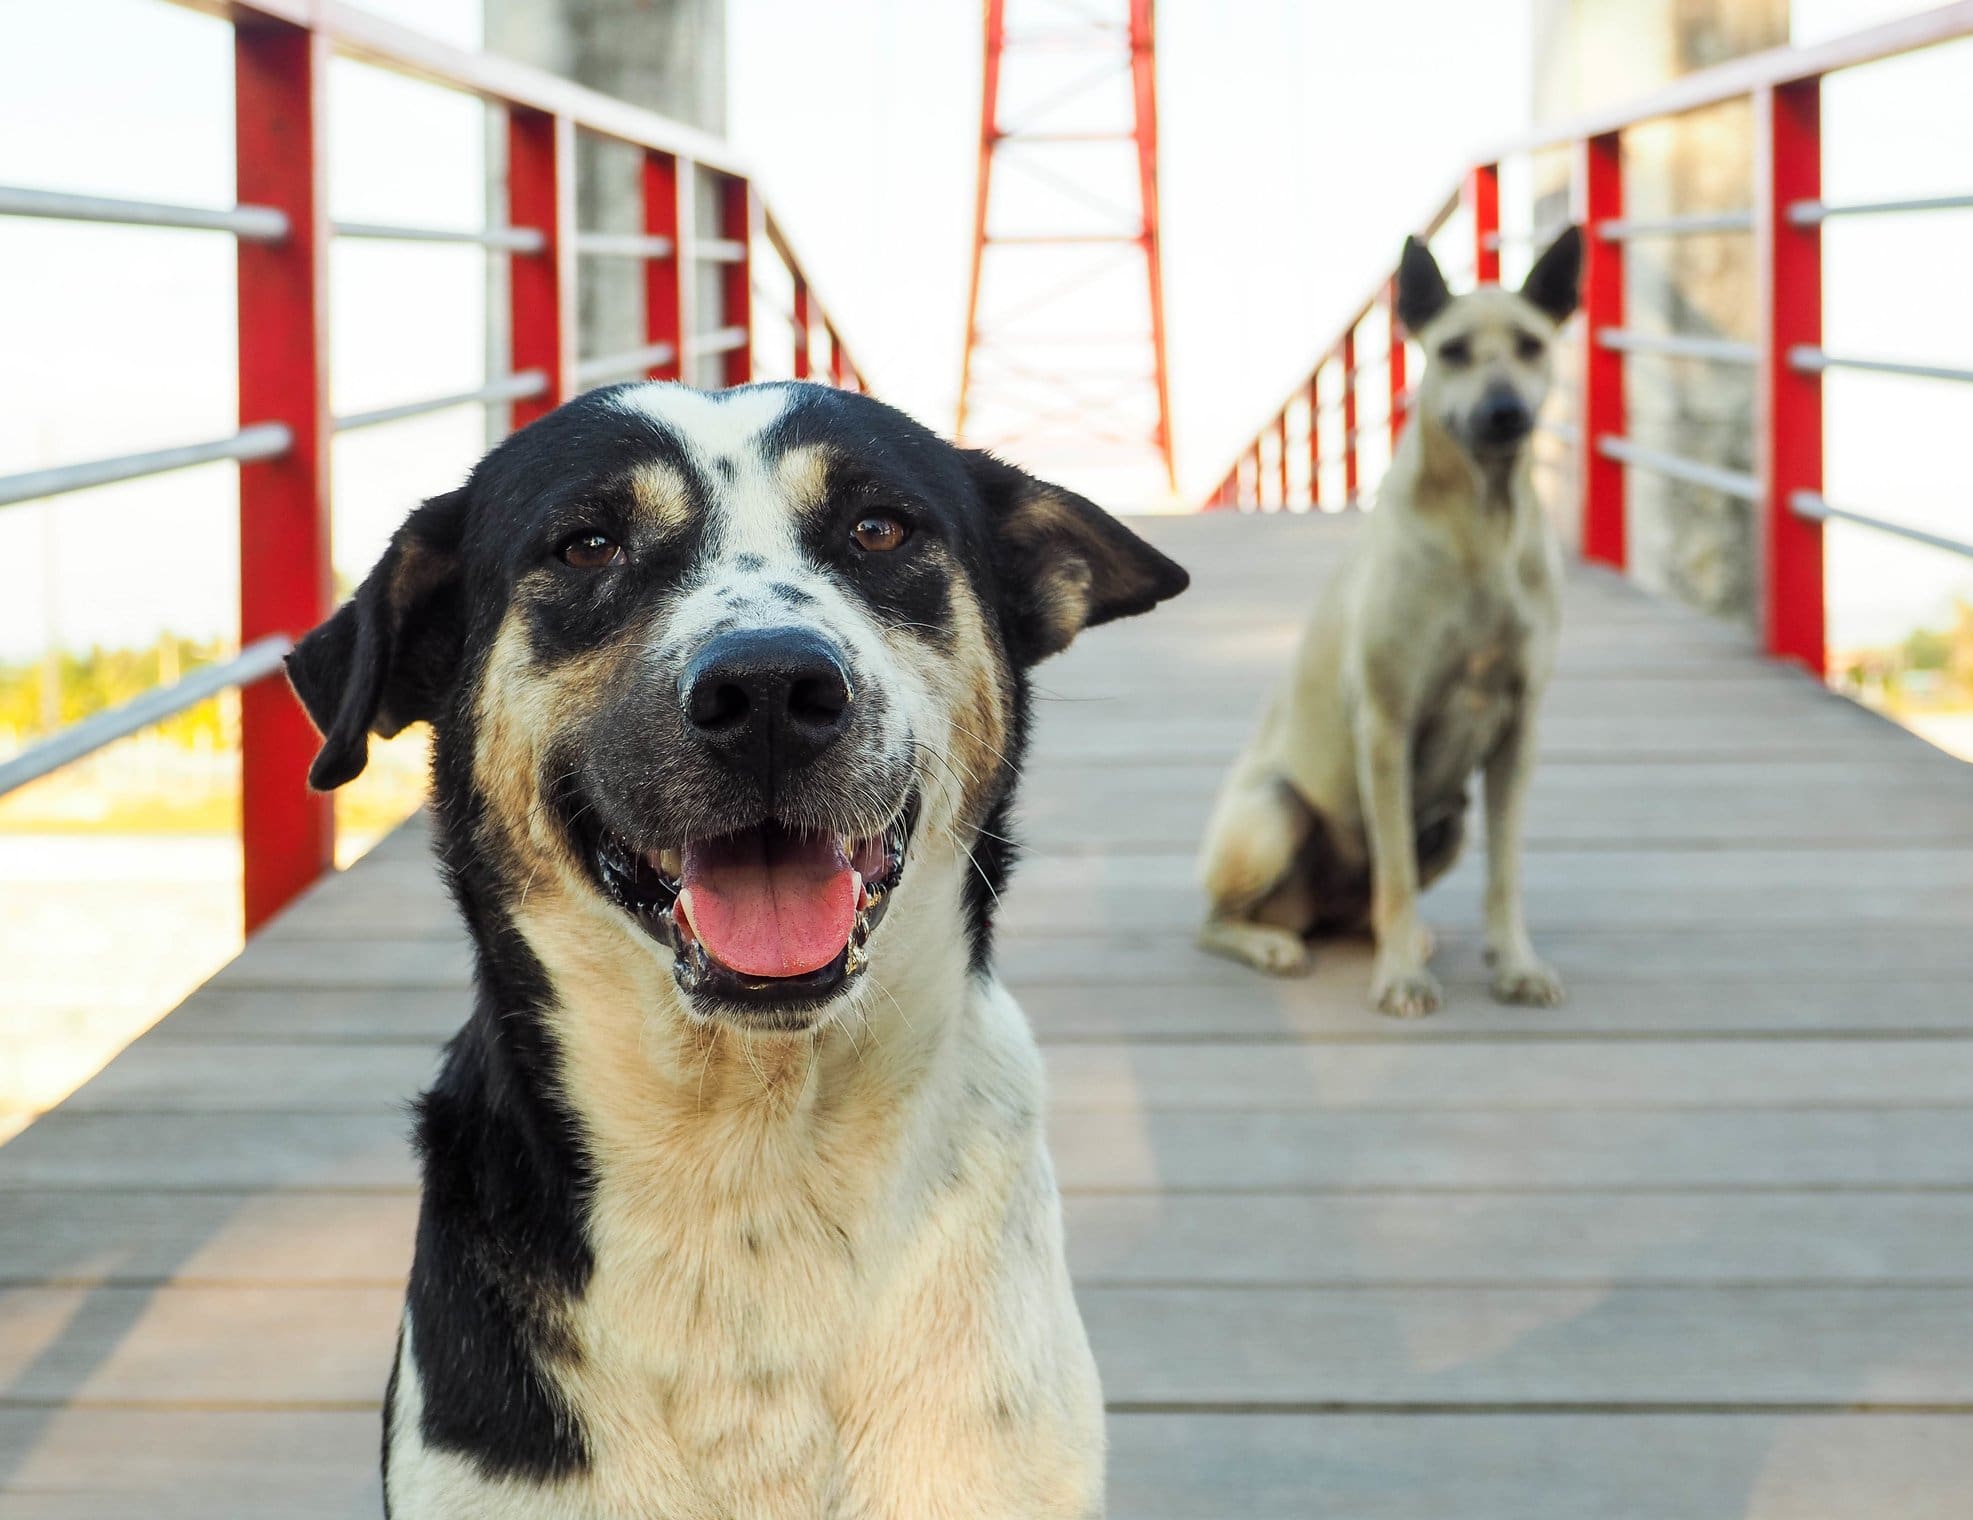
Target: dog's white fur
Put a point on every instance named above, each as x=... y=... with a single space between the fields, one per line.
x=828 y=1274
x=1425 y=660
x=829 y=1278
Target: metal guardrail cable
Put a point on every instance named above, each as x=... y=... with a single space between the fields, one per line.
x=590 y=372
x=1817 y=508
x=254 y=224
x=1678 y=346
x=1624 y=229
x=263 y=440
x=1811 y=213
x=508 y=239
x=258 y=660
x=510 y=388
x=1678 y=467
x=628 y=245
x=1815 y=361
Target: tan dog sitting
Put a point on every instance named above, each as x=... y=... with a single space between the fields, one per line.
x=1425 y=661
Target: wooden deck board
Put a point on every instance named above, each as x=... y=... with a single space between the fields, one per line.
x=1697 y=1244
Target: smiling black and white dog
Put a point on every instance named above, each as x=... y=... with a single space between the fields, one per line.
x=736 y=1202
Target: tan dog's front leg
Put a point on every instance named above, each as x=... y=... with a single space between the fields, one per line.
x=1519 y=975
x=1400 y=985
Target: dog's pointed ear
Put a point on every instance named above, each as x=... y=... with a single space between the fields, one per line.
x=388 y=656
x=1422 y=292
x=1064 y=564
x=1554 y=285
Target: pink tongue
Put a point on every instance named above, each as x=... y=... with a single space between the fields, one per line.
x=768 y=902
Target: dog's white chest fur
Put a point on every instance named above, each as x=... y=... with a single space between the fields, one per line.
x=815 y=1300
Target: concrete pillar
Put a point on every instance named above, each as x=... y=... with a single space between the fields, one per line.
x=667 y=56
x=1684 y=540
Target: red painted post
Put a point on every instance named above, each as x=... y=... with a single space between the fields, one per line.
x=736 y=294
x=1483 y=198
x=1259 y=473
x=802 y=362
x=1315 y=439
x=1349 y=415
x=1281 y=454
x=280 y=74
x=664 y=279
x=835 y=358
x=1603 y=532
x=1396 y=365
x=1788 y=166
x=541 y=288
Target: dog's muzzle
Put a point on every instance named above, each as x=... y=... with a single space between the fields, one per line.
x=1501 y=420
x=772 y=832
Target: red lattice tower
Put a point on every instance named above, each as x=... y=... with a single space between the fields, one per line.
x=1064 y=368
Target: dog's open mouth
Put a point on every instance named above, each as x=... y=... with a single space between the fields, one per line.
x=770 y=916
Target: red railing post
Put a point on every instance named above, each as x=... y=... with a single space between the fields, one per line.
x=1259 y=474
x=287 y=832
x=541 y=290
x=1483 y=199
x=1349 y=416
x=736 y=292
x=1396 y=364
x=1788 y=166
x=1281 y=454
x=1315 y=439
x=664 y=279
x=835 y=357
x=1603 y=530
x=801 y=324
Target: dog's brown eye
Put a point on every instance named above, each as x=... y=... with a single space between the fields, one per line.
x=592 y=551
x=1528 y=346
x=879 y=534
x=1456 y=351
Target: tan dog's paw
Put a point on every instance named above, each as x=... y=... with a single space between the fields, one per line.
x=1531 y=984
x=1265 y=948
x=1406 y=994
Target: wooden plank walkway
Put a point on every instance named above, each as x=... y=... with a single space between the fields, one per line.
x=1699 y=1244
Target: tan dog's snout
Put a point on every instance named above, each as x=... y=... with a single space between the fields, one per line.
x=1502 y=417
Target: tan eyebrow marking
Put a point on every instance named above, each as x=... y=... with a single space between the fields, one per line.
x=661 y=493
x=803 y=475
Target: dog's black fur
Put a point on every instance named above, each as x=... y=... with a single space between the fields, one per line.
x=501 y=1241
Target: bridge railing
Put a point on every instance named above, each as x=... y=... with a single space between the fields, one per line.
x=283 y=229
x=1785 y=218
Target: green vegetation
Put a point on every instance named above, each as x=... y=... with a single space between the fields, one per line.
x=180 y=776
x=1929 y=670
x=37 y=698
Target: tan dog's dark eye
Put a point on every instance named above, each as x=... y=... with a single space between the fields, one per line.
x=592 y=551
x=1528 y=347
x=1456 y=351
x=879 y=534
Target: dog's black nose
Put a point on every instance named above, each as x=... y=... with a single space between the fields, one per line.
x=770 y=699
x=1502 y=417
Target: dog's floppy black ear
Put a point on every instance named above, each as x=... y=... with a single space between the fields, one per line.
x=388 y=656
x=1422 y=292
x=1064 y=563
x=1555 y=283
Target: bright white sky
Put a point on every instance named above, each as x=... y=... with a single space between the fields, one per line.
x=1299 y=140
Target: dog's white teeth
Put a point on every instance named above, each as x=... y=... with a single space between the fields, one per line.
x=669 y=863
